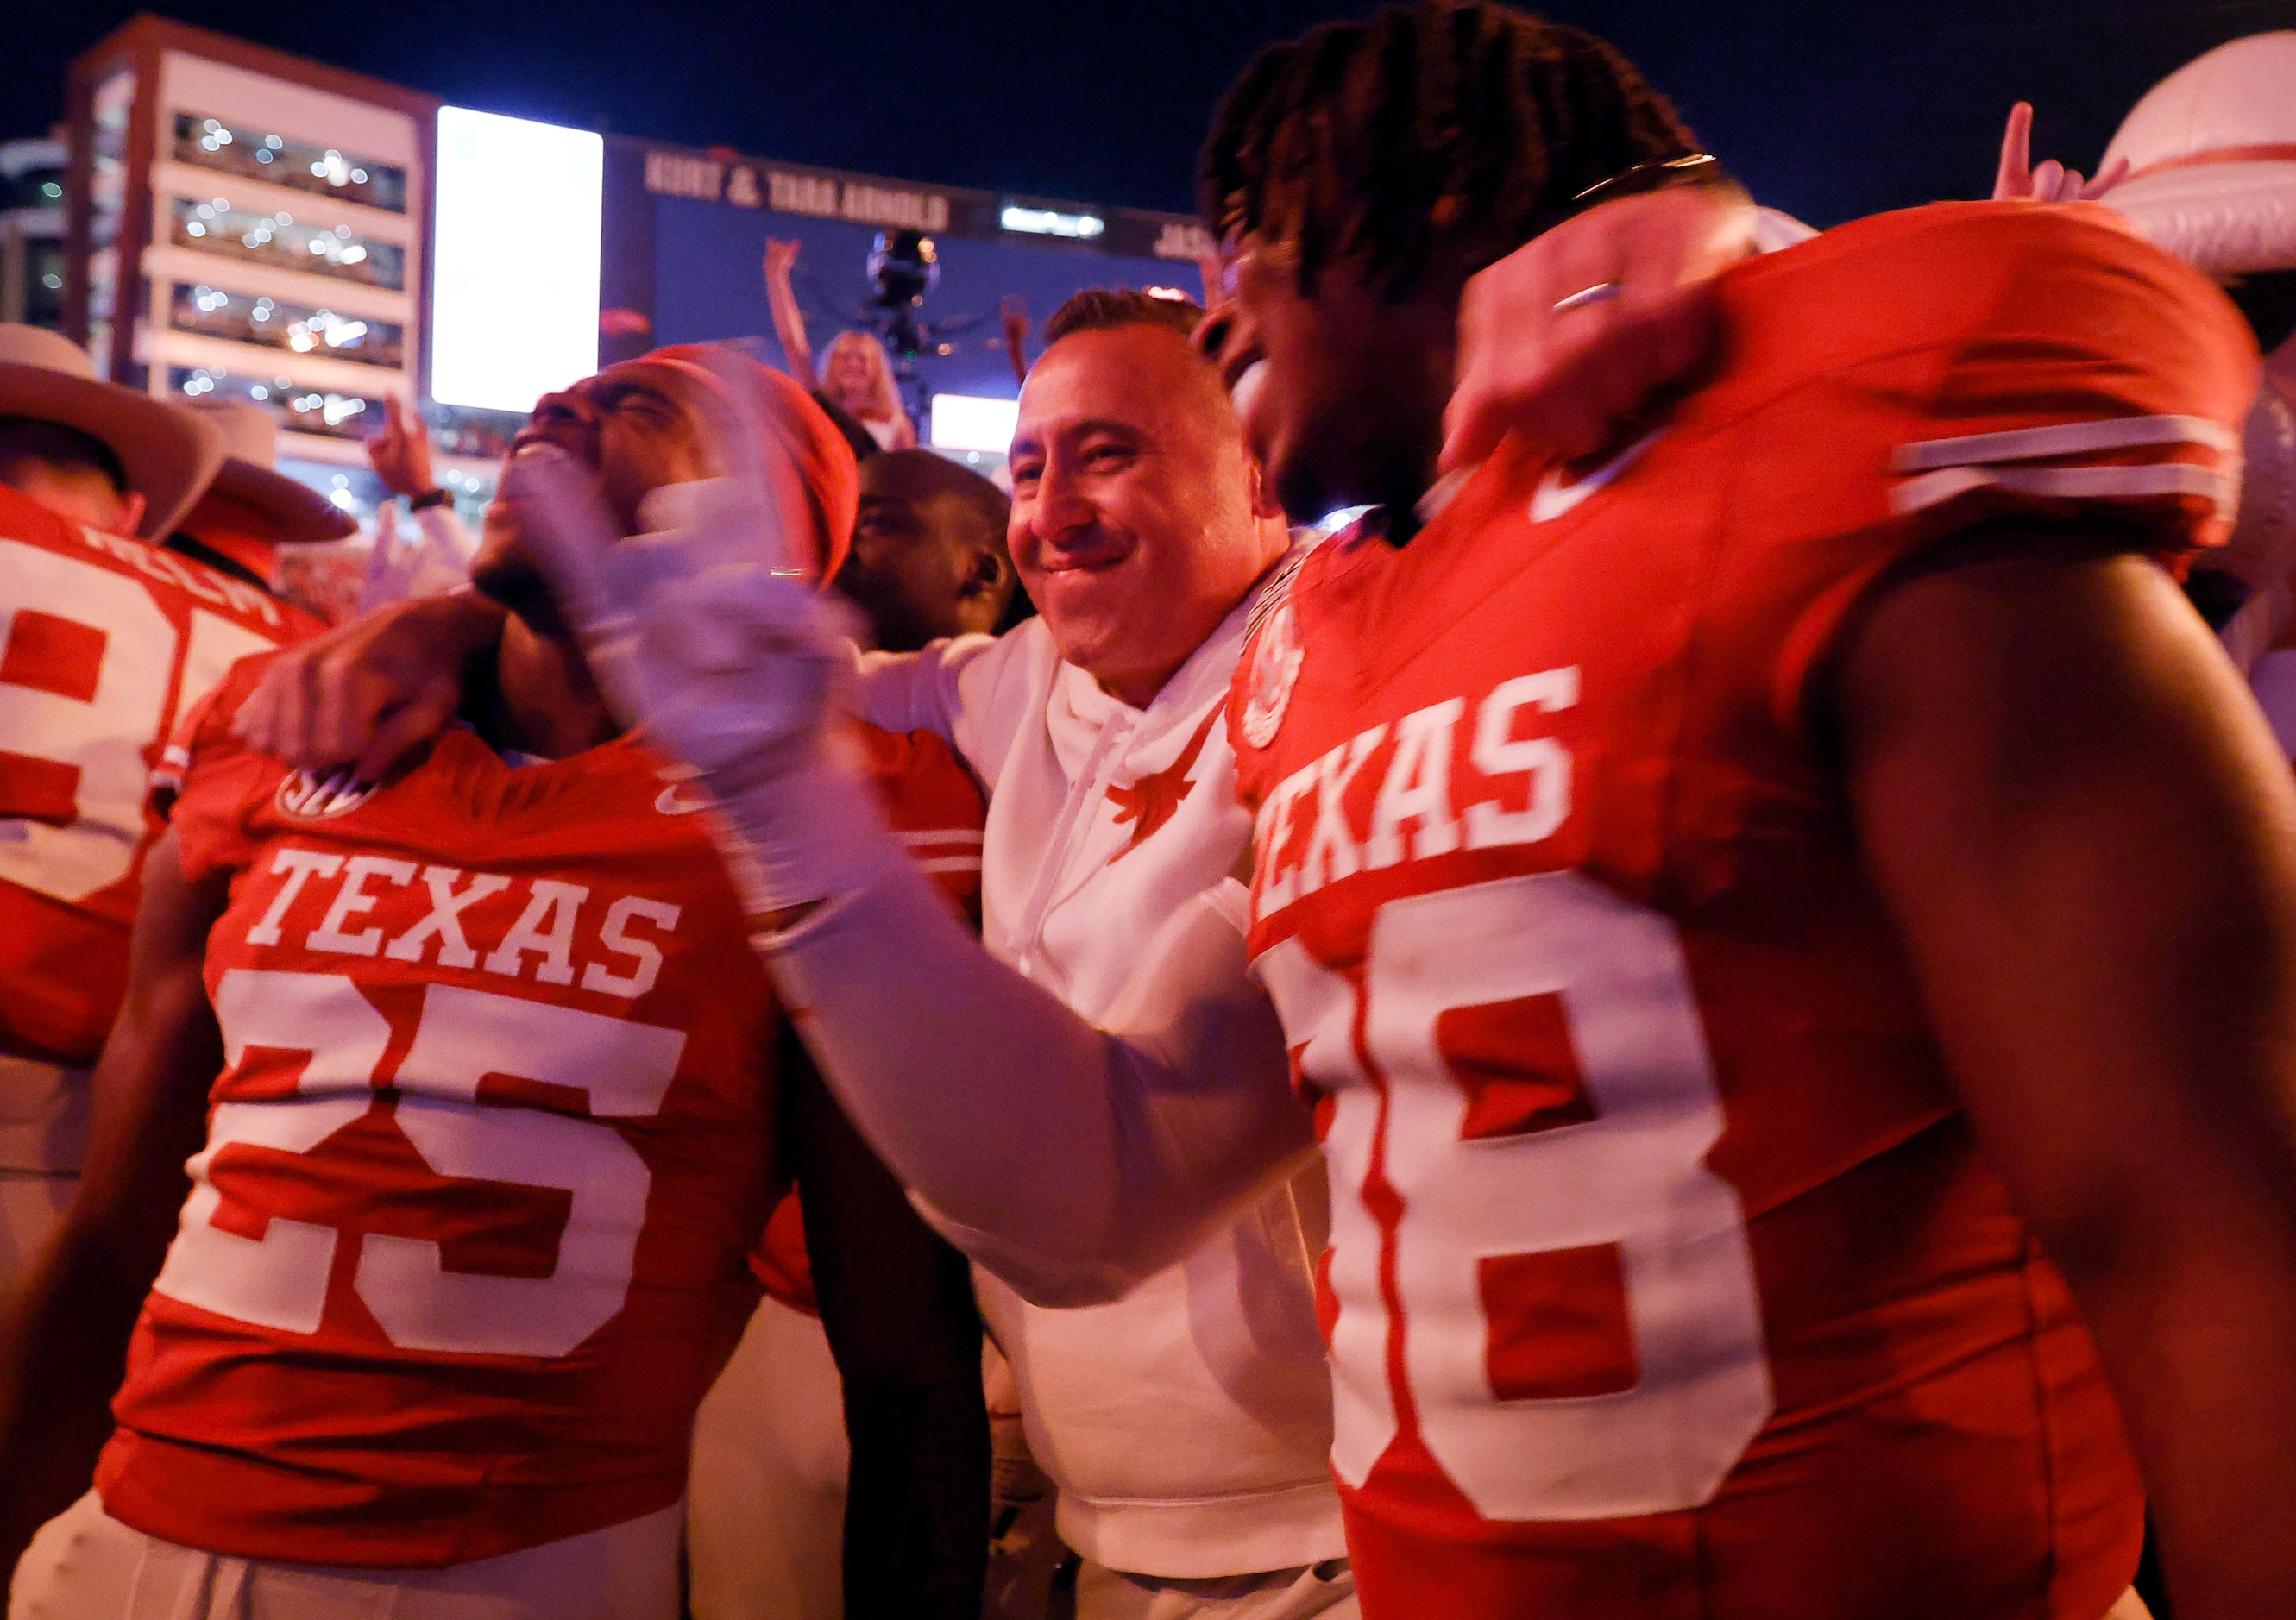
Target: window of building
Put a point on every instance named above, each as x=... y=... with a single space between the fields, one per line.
x=304 y=410
x=300 y=329
x=257 y=154
x=238 y=231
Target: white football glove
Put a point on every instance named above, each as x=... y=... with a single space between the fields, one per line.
x=730 y=666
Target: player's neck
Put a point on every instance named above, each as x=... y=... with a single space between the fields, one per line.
x=541 y=699
x=1418 y=336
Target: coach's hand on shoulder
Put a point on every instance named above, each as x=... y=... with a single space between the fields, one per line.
x=368 y=693
x=1563 y=371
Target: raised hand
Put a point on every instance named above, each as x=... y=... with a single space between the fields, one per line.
x=1215 y=279
x=730 y=666
x=401 y=454
x=2017 y=180
x=699 y=631
x=1012 y=315
x=781 y=259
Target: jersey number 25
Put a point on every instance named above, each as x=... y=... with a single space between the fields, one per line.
x=280 y=1279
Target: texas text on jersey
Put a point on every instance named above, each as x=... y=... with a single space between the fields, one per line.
x=492 y=1143
x=1664 y=1280
x=103 y=641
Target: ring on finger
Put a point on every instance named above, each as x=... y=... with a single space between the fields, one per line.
x=1600 y=292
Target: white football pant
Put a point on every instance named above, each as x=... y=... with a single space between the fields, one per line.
x=84 y=1565
x=765 y=1504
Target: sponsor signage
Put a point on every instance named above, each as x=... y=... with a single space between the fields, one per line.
x=732 y=181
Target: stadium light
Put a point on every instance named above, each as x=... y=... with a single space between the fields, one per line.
x=514 y=272
x=971 y=422
x=1046 y=222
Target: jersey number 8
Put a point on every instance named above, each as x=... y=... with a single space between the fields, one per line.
x=1634 y=1176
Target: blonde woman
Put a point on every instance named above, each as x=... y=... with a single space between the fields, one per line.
x=857 y=379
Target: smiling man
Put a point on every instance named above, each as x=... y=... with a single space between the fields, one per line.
x=1185 y=1425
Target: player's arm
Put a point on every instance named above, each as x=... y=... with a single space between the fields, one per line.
x=2089 y=839
x=896 y=1302
x=959 y=1071
x=1071 y=1160
x=372 y=690
x=789 y=317
x=369 y=691
x=63 y=1336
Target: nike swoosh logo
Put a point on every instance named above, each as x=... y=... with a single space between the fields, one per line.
x=1554 y=497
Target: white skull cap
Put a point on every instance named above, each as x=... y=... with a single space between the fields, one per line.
x=2213 y=158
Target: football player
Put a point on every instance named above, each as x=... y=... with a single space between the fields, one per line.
x=498 y=1100
x=929 y=558
x=1676 y=825
x=1753 y=913
x=105 y=638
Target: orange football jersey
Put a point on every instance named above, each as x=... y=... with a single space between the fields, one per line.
x=103 y=641
x=490 y=1151
x=1665 y=1281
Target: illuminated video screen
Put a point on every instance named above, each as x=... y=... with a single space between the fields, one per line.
x=514 y=265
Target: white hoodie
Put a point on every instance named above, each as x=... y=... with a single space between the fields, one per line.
x=1187 y=1425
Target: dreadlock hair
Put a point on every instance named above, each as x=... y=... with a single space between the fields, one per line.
x=1457 y=126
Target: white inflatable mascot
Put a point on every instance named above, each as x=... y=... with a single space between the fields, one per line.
x=2209 y=162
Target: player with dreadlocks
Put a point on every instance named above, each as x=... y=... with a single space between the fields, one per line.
x=1715 y=891
x=1728 y=905
x=1417 y=149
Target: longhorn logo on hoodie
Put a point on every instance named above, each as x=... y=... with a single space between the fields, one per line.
x=1149 y=801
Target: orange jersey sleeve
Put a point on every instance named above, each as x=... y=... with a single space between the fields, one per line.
x=781 y=1265
x=1913 y=374
x=206 y=779
x=936 y=809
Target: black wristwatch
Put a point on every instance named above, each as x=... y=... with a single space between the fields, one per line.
x=432 y=496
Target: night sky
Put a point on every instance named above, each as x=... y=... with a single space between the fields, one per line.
x=1827 y=111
